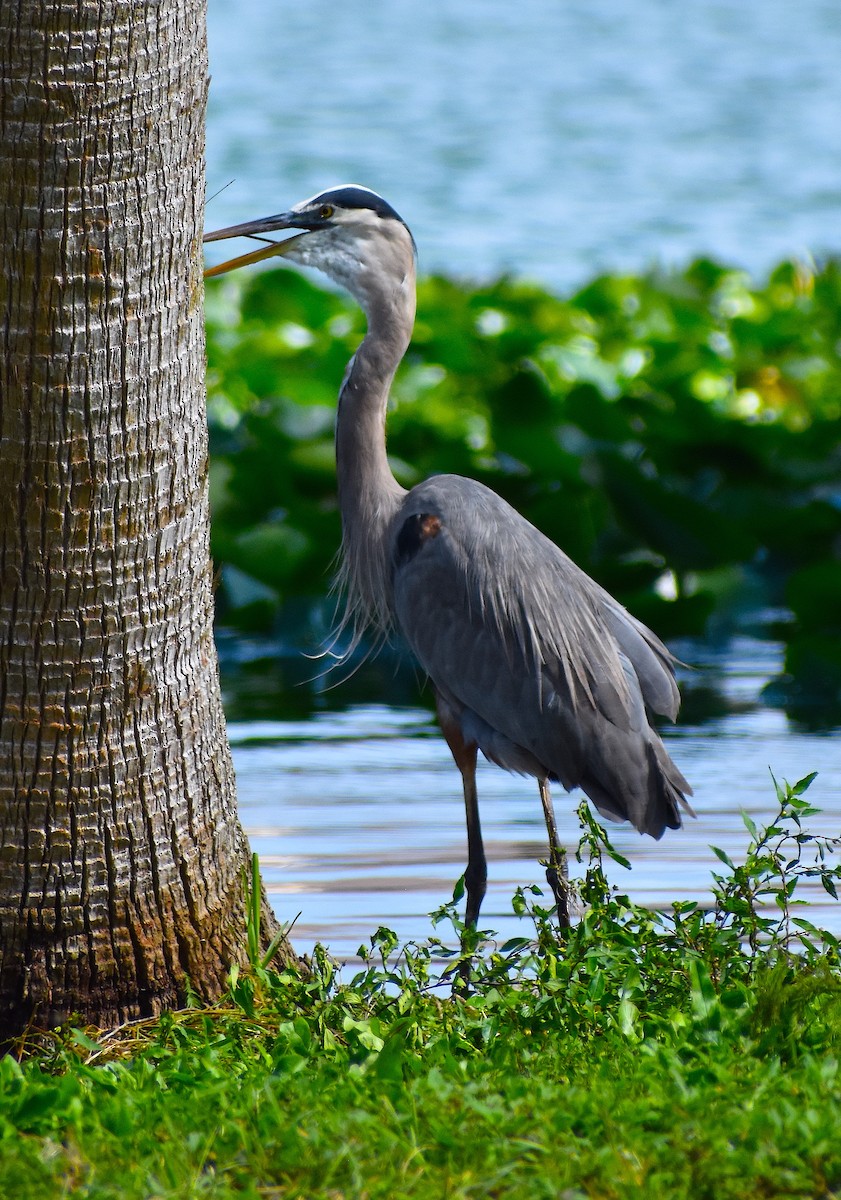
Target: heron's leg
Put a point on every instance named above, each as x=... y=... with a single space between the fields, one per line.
x=476 y=875
x=465 y=753
x=557 y=873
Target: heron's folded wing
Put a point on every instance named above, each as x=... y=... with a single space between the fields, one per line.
x=510 y=629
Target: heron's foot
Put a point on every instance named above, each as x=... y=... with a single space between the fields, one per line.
x=461 y=978
x=462 y=974
x=557 y=876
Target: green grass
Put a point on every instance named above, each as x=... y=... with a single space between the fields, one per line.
x=693 y=1053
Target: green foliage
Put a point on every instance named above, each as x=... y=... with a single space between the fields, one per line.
x=676 y=433
x=661 y=1055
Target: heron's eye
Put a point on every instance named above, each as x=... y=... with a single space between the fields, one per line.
x=326 y=211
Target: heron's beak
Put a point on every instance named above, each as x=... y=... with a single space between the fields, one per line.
x=252 y=229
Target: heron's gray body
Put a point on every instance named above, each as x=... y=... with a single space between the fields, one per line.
x=532 y=661
x=547 y=673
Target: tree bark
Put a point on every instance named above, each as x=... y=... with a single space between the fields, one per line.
x=122 y=855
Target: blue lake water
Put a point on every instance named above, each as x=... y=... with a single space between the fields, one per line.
x=550 y=139
x=358 y=818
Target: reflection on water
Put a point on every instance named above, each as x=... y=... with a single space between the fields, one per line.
x=358 y=820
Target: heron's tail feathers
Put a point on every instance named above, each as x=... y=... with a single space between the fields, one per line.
x=653 y=800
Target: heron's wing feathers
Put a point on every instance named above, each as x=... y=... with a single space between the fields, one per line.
x=652 y=662
x=549 y=674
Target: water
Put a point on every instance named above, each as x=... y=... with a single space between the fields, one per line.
x=551 y=139
x=358 y=819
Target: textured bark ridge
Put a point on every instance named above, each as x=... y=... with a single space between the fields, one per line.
x=121 y=856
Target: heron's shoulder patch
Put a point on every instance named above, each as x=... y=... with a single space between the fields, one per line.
x=413 y=533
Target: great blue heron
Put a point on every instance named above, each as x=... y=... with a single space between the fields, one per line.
x=532 y=662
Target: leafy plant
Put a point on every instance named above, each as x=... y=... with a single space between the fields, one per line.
x=676 y=433
x=687 y=1053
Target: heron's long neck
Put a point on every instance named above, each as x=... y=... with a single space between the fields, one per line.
x=369 y=495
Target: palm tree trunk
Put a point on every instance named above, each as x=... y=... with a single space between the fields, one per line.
x=122 y=855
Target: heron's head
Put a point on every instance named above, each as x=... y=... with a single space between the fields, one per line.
x=349 y=232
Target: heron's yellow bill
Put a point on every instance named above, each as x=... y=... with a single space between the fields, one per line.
x=245 y=260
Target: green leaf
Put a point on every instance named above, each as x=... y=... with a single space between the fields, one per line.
x=514 y=945
x=724 y=857
x=627 y=1018
x=81 y=1039
x=803 y=784
x=750 y=825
